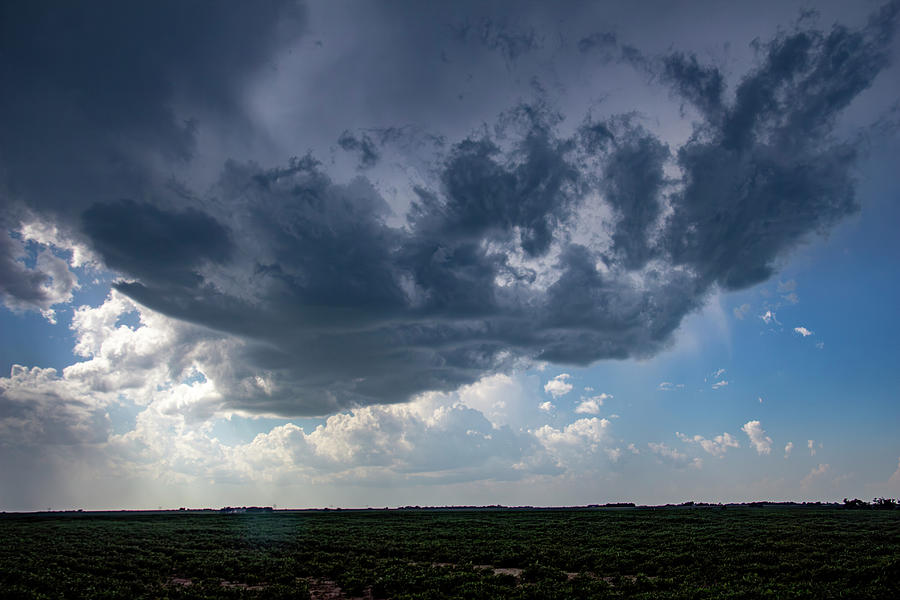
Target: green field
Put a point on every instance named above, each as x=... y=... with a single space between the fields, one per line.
x=699 y=552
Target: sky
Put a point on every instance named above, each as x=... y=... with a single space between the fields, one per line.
x=383 y=254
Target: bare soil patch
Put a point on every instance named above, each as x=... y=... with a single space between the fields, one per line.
x=326 y=589
x=241 y=586
x=187 y=582
x=515 y=572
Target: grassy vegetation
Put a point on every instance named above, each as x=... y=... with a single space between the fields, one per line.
x=784 y=552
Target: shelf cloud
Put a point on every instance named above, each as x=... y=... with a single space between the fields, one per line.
x=333 y=298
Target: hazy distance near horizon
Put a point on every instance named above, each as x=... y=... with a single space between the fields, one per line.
x=315 y=254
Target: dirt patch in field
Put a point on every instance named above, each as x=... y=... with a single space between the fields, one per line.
x=241 y=586
x=187 y=582
x=515 y=572
x=326 y=589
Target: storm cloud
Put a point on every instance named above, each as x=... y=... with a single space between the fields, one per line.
x=525 y=240
x=102 y=104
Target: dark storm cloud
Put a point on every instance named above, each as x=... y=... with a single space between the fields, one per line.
x=329 y=306
x=632 y=183
x=590 y=316
x=93 y=92
x=153 y=244
x=24 y=286
x=764 y=172
x=485 y=195
x=327 y=244
x=98 y=96
x=701 y=85
x=363 y=145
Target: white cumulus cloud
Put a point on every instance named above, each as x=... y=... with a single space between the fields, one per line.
x=673 y=457
x=758 y=438
x=591 y=406
x=583 y=431
x=716 y=446
x=577 y=443
x=559 y=385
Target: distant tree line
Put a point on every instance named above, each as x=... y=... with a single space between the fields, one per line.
x=231 y=510
x=880 y=503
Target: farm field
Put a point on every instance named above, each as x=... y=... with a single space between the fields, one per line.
x=698 y=552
